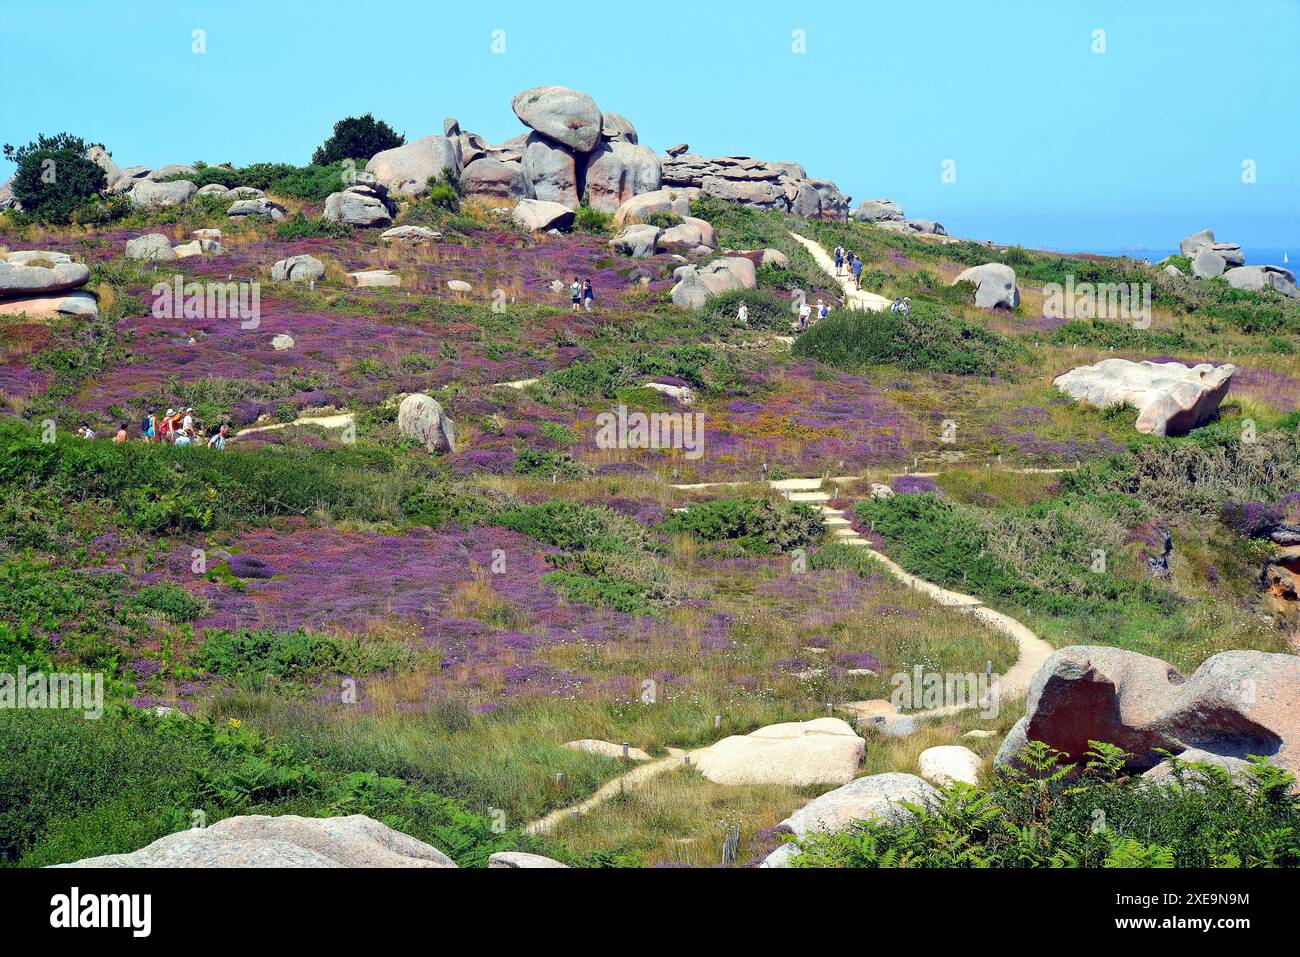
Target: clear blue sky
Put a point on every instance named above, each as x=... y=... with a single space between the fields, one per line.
x=1054 y=145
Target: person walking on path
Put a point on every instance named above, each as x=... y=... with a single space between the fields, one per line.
x=805 y=311
x=823 y=310
x=575 y=293
x=742 y=314
x=588 y=295
x=149 y=426
x=839 y=260
x=857 y=273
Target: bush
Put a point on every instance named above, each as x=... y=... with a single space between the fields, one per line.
x=298 y=655
x=766 y=310
x=927 y=339
x=591 y=220
x=54 y=178
x=299 y=226
x=357 y=138
x=311 y=183
x=757 y=526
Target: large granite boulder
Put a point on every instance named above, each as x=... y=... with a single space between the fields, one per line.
x=799 y=753
x=420 y=417
x=98 y=156
x=1230 y=253
x=879 y=797
x=35 y=271
x=7 y=198
x=1171 y=398
x=766 y=185
x=147 y=194
x=563 y=115
x=539 y=215
x=47 y=305
x=995 y=285
x=689 y=235
x=1195 y=241
x=302 y=268
x=406 y=169
x=877 y=210
x=676 y=202
x=170 y=170
x=127 y=178
x=486 y=178
x=909 y=226
x=552 y=171
x=1259 y=278
x=637 y=240
x=359 y=206
x=697 y=284
x=617 y=171
x=153 y=246
x=257 y=840
x=409 y=235
x=257 y=207
x=1237 y=703
x=1207 y=264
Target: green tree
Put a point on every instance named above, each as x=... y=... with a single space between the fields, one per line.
x=357 y=138
x=54 y=177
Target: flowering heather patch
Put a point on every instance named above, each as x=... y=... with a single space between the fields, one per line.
x=913 y=484
x=1251 y=519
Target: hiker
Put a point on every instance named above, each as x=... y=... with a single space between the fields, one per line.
x=905 y=306
x=805 y=311
x=839 y=260
x=823 y=310
x=575 y=293
x=148 y=426
x=121 y=434
x=85 y=431
x=218 y=441
x=588 y=295
x=742 y=314
x=893 y=306
x=857 y=273
x=165 y=426
x=187 y=424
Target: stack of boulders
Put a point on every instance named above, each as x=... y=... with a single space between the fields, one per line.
x=696 y=284
x=1171 y=398
x=1211 y=259
x=41 y=284
x=888 y=215
x=760 y=183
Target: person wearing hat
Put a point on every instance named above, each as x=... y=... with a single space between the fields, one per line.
x=165 y=426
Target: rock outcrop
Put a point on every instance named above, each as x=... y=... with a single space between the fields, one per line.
x=257 y=840
x=540 y=215
x=696 y=284
x=618 y=171
x=754 y=182
x=675 y=202
x=1259 y=278
x=151 y=246
x=361 y=204
x=552 y=171
x=560 y=114
x=947 y=763
x=1237 y=703
x=878 y=210
x=301 y=268
x=487 y=178
x=516 y=860
x=1171 y=398
x=148 y=194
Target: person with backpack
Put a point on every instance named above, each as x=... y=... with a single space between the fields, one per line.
x=165 y=426
x=823 y=310
x=575 y=293
x=148 y=426
x=839 y=260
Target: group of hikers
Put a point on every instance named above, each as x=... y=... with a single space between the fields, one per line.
x=177 y=428
x=581 y=294
x=903 y=305
x=800 y=324
x=851 y=260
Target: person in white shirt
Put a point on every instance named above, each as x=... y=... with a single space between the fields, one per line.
x=742 y=314
x=823 y=310
x=804 y=312
x=218 y=441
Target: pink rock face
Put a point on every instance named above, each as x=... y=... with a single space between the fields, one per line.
x=1171 y=398
x=1237 y=703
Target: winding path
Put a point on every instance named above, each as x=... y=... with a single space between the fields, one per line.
x=1033 y=651
x=853 y=296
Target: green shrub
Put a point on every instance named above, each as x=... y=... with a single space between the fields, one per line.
x=927 y=339
x=757 y=526
x=766 y=310
x=298 y=655
x=299 y=226
x=591 y=220
x=356 y=138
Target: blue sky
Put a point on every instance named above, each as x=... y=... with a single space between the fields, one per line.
x=1054 y=145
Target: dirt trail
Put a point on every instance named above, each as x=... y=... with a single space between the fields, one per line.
x=854 y=297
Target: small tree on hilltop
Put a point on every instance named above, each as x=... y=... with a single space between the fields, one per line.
x=357 y=138
x=54 y=177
